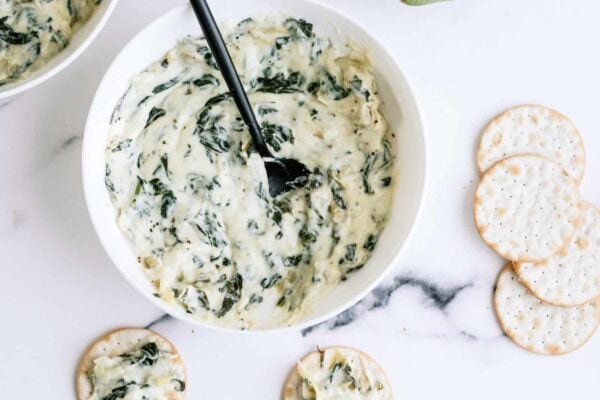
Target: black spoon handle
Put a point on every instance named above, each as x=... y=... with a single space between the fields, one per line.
x=223 y=59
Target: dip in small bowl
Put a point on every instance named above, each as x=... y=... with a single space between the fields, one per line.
x=40 y=38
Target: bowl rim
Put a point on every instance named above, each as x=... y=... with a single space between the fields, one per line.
x=76 y=52
x=359 y=295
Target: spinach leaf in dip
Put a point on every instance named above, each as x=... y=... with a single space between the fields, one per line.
x=32 y=32
x=191 y=193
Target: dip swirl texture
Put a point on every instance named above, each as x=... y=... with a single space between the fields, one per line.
x=191 y=193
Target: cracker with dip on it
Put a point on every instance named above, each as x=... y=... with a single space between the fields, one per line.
x=131 y=363
x=33 y=32
x=337 y=373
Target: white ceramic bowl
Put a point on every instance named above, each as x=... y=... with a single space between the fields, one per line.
x=78 y=43
x=400 y=109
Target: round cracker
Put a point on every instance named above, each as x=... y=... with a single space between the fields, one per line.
x=292 y=389
x=571 y=276
x=115 y=343
x=532 y=129
x=541 y=327
x=526 y=208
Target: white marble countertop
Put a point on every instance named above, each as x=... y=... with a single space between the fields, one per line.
x=430 y=324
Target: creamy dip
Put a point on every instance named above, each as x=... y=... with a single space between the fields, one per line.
x=192 y=194
x=34 y=31
x=339 y=374
x=146 y=372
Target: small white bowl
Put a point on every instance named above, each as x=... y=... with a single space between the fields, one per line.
x=78 y=43
x=400 y=109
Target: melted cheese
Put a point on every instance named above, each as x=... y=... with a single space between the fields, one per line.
x=34 y=31
x=192 y=194
x=146 y=372
x=342 y=374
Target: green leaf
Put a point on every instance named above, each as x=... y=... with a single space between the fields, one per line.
x=122 y=145
x=264 y=110
x=370 y=243
x=254 y=299
x=295 y=26
x=217 y=99
x=284 y=297
x=357 y=85
x=337 y=366
x=337 y=89
x=337 y=192
x=10 y=36
x=205 y=80
x=164 y=86
x=233 y=293
x=267 y=283
x=168 y=201
x=180 y=385
x=385 y=182
x=292 y=261
x=118 y=392
x=366 y=171
x=350 y=252
x=307 y=237
x=164 y=162
x=275 y=135
x=279 y=83
x=212 y=136
x=313 y=87
x=147 y=355
x=155 y=114
x=203 y=299
x=209 y=225
x=157 y=186
x=205 y=52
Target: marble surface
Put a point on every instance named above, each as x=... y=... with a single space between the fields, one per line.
x=430 y=323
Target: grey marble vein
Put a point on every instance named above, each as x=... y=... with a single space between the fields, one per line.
x=469 y=336
x=159 y=320
x=69 y=141
x=54 y=151
x=437 y=297
x=64 y=145
x=14 y=220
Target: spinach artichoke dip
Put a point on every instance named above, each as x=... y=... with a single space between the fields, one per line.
x=191 y=193
x=131 y=364
x=34 y=31
x=144 y=373
x=337 y=373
